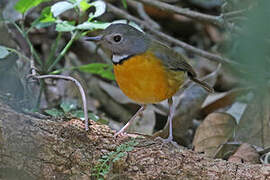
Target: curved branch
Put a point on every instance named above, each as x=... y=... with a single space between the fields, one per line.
x=78 y=84
x=140 y=9
x=216 y=20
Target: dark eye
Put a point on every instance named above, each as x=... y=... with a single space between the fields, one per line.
x=117 y=38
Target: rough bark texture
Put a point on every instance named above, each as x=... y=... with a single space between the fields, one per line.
x=32 y=148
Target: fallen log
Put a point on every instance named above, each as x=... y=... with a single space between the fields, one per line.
x=33 y=148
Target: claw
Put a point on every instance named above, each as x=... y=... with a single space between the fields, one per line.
x=119 y=133
x=169 y=140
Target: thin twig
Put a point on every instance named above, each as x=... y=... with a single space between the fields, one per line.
x=235 y=13
x=216 y=20
x=33 y=68
x=170 y=1
x=123 y=14
x=187 y=47
x=78 y=84
x=142 y=13
x=199 y=52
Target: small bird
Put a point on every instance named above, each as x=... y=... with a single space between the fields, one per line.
x=146 y=70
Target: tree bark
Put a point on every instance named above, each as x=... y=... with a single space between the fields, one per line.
x=32 y=148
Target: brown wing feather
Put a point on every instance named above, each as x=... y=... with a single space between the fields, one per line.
x=176 y=62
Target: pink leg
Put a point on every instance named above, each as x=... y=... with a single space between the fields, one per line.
x=170 y=119
x=130 y=121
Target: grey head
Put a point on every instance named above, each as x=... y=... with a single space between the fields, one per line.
x=123 y=41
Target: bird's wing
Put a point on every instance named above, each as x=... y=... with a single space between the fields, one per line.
x=171 y=59
x=176 y=62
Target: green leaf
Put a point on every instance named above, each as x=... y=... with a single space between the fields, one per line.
x=40 y=25
x=104 y=70
x=54 y=112
x=103 y=25
x=124 y=2
x=101 y=160
x=74 y=1
x=58 y=71
x=93 y=117
x=67 y=106
x=47 y=15
x=65 y=27
x=131 y=23
x=119 y=148
x=100 y=7
x=84 y=5
x=129 y=148
x=3 y=52
x=92 y=26
x=77 y=114
x=108 y=74
x=46 y=19
x=119 y=156
x=112 y=153
x=104 y=156
x=115 y=159
x=103 y=121
x=24 y=5
x=60 y=7
x=104 y=172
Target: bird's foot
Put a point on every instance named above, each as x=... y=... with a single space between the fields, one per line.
x=119 y=134
x=169 y=140
x=124 y=135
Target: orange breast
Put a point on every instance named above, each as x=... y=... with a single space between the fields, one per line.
x=144 y=79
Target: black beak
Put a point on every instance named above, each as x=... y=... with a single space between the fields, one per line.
x=96 y=38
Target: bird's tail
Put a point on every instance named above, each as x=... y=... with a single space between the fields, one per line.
x=203 y=84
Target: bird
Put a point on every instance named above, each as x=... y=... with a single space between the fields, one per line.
x=146 y=70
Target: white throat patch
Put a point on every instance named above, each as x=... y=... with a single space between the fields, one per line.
x=116 y=58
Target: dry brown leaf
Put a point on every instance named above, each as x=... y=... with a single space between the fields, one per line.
x=157 y=13
x=254 y=125
x=237 y=110
x=214 y=33
x=265 y=158
x=215 y=130
x=226 y=150
x=212 y=98
x=245 y=153
x=221 y=100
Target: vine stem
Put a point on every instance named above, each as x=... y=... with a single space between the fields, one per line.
x=82 y=92
x=63 y=52
x=32 y=49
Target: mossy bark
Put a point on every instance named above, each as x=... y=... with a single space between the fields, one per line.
x=32 y=148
